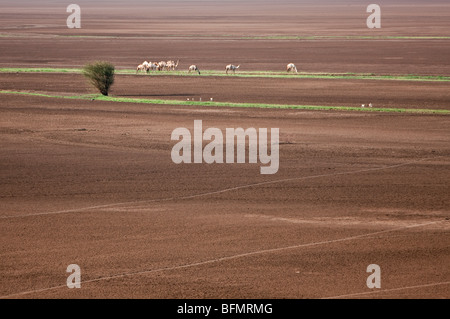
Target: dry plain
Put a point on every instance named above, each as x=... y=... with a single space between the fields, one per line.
x=91 y=182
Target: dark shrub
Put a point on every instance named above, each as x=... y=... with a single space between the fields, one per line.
x=100 y=75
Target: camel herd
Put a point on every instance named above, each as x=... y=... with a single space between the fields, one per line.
x=159 y=66
x=172 y=66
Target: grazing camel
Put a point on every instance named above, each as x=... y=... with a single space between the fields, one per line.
x=146 y=66
x=142 y=68
x=162 y=65
x=170 y=65
x=291 y=68
x=152 y=66
x=231 y=67
x=194 y=68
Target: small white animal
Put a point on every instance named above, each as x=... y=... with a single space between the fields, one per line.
x=152 y=66
x=232 y=67
x=170 y=65
x=291 y=68
x=162 y=66
x=194 y=68
x=141 y=67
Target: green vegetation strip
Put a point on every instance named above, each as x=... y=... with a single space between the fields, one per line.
x=251 y=74
x=228 y=104
x=342 y=37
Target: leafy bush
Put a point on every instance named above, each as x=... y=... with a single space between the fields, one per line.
x=100 y=74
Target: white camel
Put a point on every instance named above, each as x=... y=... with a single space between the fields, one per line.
x=152 y=66
x=162 y=65
x=232 y=67
x=292 y=68
x=194 y=68
x=170 y=65
x=140 y=68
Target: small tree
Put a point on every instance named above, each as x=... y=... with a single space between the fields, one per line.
x=101 y=75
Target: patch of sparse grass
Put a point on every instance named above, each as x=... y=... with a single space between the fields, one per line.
x=70 y=97
x=343 y=37
x=301 y=75
x=39 y=70
x=229 y=104
x=89 y=36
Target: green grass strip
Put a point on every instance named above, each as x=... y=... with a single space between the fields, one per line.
x=250 y=74
x=40 y=70
x=341 y=37
x=229 y=104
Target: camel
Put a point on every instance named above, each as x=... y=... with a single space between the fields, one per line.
x=291 y=68
x=142 y=68
x=232 y=67
x=170 y=65
x=145 y=66
x=152 y=66
x=194 y=68
x=162 y=65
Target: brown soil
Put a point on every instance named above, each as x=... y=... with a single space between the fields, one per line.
x=92 y=183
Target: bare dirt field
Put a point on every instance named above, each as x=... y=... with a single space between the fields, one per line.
x=92 y=182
